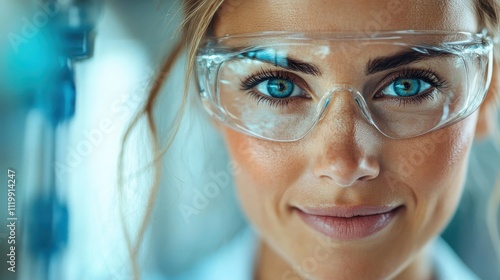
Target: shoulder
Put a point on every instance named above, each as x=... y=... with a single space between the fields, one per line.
x=447 y=265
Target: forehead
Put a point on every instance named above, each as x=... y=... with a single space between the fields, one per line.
x=247 y=16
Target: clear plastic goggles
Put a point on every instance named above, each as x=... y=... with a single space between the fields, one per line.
x=278 y=85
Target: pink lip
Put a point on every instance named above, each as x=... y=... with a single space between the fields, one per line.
x=348 y=223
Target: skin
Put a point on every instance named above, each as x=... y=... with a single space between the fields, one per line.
x=345 y=161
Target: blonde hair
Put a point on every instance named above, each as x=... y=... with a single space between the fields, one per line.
x=196 y=24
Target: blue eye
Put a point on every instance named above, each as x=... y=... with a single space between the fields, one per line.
x=406 y=87
x=278 y=88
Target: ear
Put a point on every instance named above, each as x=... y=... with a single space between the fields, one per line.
x=486 y=122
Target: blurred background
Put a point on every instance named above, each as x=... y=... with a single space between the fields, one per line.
x=72 y=74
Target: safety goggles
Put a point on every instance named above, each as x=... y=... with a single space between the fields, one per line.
x=279 y=85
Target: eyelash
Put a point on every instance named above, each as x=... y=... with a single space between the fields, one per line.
x=428 y=76
x=251 y=81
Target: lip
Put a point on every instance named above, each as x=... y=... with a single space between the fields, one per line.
x=346 y=223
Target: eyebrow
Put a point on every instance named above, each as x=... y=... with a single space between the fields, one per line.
x=401 y=58
x=282 y=61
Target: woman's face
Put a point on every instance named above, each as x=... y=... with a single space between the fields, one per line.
x=299 y=195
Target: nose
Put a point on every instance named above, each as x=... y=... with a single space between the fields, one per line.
x=344 y=144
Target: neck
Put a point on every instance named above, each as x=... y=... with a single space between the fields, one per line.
x=271 y=266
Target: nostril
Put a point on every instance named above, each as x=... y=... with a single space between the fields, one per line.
x=346 y=168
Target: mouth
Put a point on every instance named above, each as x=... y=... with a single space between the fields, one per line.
x=344 y=223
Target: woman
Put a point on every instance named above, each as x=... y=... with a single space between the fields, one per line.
x=351 y=126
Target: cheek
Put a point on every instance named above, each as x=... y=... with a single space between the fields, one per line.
x=267 y=165
x=264 y=171
x=431 y=170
